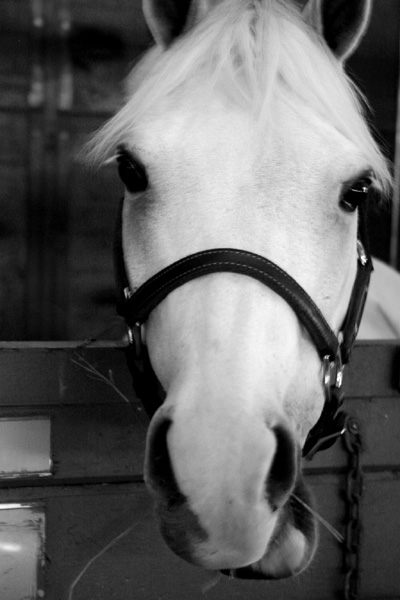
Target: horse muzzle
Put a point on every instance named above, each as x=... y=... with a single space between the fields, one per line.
x=261 y=531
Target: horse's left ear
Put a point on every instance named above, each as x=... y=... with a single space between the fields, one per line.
x=342 y=23
x=168 y=19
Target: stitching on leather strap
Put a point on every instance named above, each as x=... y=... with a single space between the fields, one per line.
x=276 y=278
x=226 y=264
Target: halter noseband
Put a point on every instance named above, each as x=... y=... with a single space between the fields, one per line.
x=334 y=351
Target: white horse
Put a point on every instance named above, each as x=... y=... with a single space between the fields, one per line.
x=241 y=130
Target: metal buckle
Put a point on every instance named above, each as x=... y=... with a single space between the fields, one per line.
x=362 y=255
x=331 y=424
x=333 y=371
x=135 y=339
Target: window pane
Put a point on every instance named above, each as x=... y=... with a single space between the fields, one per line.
x=22 y=539
x=25 y=447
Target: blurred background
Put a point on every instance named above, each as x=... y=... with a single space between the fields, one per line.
x=62 y=66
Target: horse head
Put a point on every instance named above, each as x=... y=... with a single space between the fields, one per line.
x=241 y=131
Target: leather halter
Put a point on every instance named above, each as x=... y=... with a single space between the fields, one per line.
x=333 y=350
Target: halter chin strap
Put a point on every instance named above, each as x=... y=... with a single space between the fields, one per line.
x=334 y=351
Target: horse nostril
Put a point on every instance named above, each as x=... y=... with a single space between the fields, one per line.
x=282 y=474
x=159 y=472
x=179 y=525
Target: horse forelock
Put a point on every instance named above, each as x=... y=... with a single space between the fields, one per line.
x=256 y=53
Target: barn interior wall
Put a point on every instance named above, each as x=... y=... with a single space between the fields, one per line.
x=62 y=67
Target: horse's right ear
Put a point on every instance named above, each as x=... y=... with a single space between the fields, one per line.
x=167 y=19
x=341 y=22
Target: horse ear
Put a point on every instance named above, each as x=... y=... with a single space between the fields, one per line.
x=341 y=22
x=167 y=19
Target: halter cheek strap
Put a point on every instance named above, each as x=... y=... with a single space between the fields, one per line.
x=334 y=351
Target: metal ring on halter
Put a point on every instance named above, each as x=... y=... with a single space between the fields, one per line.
x=135 y=338
x=332 y=373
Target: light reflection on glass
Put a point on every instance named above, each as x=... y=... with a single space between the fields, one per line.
x=10 y=547
x=22 y=550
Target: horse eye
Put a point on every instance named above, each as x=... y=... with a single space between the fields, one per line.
x=131 y=172
x=355 y=195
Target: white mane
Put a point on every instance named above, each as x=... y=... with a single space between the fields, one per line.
x=257 y=53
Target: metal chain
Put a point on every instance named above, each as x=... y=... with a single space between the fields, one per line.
x=354 y=491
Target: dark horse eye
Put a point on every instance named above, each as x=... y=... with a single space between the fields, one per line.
x=131 y=171
x=355 y=195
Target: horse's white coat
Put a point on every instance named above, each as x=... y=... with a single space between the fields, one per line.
x=231 y=354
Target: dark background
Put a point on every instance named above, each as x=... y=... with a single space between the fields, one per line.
x=62 y=64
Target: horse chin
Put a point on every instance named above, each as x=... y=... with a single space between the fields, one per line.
x=289 y=551
x=279 y=538
x=292 y=546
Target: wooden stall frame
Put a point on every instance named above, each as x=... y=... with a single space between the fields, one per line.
x=102 y=538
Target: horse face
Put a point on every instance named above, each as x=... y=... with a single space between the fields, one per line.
x=243 y=380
